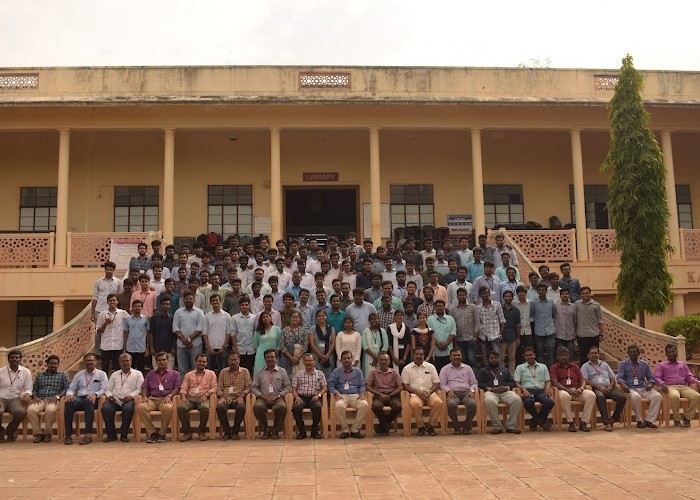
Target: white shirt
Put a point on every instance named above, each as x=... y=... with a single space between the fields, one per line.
x=283 y=279
x=15 y=384
x=104 y=287
x=164 y=276
x=158 y=286
x=216 y=326
x=123 y=384
x=113 y=335
x=420 y=377
x=452 y=292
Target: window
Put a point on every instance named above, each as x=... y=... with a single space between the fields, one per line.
x=596 y=201
x=503 y=204
x=37 y=209
x=412 y=205
x=685 y=206
x=135 y=208
x=34 y=320
x=230 y=210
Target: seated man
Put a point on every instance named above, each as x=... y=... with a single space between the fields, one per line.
x=197 y=386
x=675 y=379
x=308 y=387
x=85 y=390
x=15 y=394
x=459 y=383
x=270 y=386
x=532 y=378
x=234 y=385
x=635 y=378
x=348 y=383
x=48 y=388
x=571 y=384
x=422 y=382
x=602 y=379
x=157 y=391
x=386 y=385
x=497 y=382
x=123 y=386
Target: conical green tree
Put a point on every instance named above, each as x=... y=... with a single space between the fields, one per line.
x=637 y=202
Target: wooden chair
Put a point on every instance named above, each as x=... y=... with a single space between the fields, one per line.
x=117 y=417
x=76 y=418
x=211 y=422
x=576 y=409
x=290 y=423
x=645 y=405
x=253 y=422
x=445 y=419
x=666 y=408
x=369 y=419
x=385 y=409
x=407 y=415
x=8 y=416
x=503 y=410
x=247 y=427
x=158 y=413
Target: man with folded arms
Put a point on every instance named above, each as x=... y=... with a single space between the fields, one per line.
x=233 y=387
x=497 y=383
x=348 y=383
x=85 y=390
x=270 y=386
x=308 y=388
x=386 y=385
x=48 y=388
x=157 y=391
x=123 y=386
x=602 y=379
x=675 y=379
x=569 y=380
x=635 y=378
x=459 y=383
x=422 y=382
x=196 y=388
x=532 y=378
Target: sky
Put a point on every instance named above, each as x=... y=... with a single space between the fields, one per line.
x=558 y=34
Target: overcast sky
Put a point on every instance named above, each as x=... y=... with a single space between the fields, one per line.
x=590 y=34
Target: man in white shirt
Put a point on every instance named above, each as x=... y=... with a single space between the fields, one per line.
x=123 y=386
x=102 y=288
x=460 y=282
x=283 y=277
x=216 y=331
x=421 y=380
x=110 y=325
x=15 y=394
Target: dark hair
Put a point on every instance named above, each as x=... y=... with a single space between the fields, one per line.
x=53 y=356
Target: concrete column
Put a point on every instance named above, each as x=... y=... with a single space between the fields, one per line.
x=276 y=232
x=169 y=187
x=62 y=198
x=678 y=304
x=59 y=314
x=478 y=183
x=375 y=190
x=579 y=196
x=673 y=232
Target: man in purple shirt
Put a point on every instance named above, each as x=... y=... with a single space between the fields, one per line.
x=674 y=378
x=158 y=389
x=460 y=384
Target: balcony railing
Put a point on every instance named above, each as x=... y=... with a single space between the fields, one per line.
x=546 y=245
x=27 y=250
x=600 y=244
x=93 y=249
x=690 y=244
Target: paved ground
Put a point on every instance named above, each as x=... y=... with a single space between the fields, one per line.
x=623 y=464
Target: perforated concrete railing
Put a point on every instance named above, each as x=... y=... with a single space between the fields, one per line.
x=690 y=243
x=617 y=333
x=600 y=243
x=31 y=250
x=70 y=343
x=92 y=249
x=546 y=245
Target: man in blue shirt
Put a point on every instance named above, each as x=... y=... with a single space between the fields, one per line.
x=348 y=384
x=84 y=392
x=566 y=281
x=542 y=314
x=635 y=379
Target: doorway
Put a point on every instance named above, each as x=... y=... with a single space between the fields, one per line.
x=322 y=210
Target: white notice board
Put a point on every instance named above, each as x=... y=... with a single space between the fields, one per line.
x=385 y=220
x=121 y=251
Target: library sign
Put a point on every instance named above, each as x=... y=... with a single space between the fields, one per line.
x=320 y=176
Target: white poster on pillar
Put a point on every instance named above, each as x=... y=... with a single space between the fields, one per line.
x=385 y=221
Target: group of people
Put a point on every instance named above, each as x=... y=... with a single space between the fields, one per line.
x=532 y=382
x=400 y=314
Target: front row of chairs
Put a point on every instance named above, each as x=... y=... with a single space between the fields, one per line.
x=328 y=417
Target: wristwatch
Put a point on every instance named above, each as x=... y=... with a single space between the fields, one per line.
x=58 y=398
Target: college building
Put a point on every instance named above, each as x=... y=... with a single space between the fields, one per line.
x=92 y=154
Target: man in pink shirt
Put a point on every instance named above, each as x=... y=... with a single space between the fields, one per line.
x=145 y=295
x=196 y=388
x=675 y=379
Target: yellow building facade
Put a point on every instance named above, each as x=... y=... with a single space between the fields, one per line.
x=501 y=146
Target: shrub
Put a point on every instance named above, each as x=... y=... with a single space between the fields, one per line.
x=689 y=327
